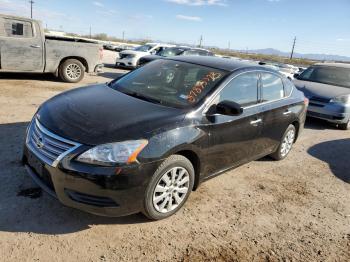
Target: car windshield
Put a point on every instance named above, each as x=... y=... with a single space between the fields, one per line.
x=170 y=83
x=171 y=52
x=144 y=48
x=327 y=75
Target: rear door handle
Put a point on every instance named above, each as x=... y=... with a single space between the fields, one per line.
x=35 y=46
x=254 y=122
x=287 y=112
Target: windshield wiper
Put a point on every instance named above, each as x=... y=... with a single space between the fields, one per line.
x=143 y=97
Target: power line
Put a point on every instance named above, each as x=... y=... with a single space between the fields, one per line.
x=31 y=8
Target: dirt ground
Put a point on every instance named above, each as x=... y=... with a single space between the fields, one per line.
x=294 y=210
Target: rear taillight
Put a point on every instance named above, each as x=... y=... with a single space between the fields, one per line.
x=100 y=52
x=306 y=101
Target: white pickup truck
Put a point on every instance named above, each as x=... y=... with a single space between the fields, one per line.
x=24 y=47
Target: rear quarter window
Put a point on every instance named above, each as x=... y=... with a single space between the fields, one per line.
x=288 y=87
x=272 y=87
x=17 y=28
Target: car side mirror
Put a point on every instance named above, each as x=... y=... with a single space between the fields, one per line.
x=296 y=75
x=229 y=108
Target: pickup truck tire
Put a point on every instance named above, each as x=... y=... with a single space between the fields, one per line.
x=71 y=71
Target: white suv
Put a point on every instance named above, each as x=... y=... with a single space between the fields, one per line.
x=130 y=58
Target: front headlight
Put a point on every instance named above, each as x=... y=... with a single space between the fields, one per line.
x=344 y=99
x=113 y=153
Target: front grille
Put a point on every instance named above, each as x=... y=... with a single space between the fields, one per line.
x=47 y=146
x=122 y=56
x=90 y=199
x=318 y=101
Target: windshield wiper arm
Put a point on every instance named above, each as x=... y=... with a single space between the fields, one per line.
x=143 y=97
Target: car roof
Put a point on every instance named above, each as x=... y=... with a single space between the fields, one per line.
x=217 y=62
x=341 y=65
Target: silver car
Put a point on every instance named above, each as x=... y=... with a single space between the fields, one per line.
x=327 y=86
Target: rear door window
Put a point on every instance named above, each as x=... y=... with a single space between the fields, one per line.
x=272 y=87
x=17 y=28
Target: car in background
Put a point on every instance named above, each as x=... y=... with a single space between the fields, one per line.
x=327 y=86
x=145 y=141
x=110 y=47
x=118 y=47
x=287 y=70
x=130 y=58
x=175 y=51
x=300 y=70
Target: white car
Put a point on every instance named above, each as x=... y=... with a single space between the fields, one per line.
x=130 y=58
x=284 y=71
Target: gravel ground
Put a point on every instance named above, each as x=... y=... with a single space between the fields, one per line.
x=293 y=210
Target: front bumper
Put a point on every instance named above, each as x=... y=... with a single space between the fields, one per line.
x=126 y=62
x=105 y=191
x=333 y=113
x=99 y=68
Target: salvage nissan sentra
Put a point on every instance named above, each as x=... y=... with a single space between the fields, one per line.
x=144 y=141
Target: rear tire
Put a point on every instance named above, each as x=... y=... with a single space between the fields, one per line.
x=345 y=126
x=286 y=144
x=71 y=71
x=169 y=188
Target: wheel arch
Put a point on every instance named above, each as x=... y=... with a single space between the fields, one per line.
x=196 y=163
x=296 y=124
x=79 y=58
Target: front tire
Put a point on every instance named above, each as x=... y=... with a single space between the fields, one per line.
x=286 y=144
x=169 y=188
x=71 y=71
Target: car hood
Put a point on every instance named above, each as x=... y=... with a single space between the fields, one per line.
x=133 y=52
x=311 y=89
x=99 y=114
x=151 y=57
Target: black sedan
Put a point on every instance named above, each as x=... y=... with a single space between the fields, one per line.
x=175 y=51
x=144 y=141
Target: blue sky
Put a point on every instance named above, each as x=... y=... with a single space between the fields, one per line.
x=321 y=26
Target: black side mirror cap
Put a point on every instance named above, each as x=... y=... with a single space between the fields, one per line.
x=296 y=76
x=229 y=108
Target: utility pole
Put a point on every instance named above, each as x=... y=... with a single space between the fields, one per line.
x=292 y=53
x=229 y=45
x=90 y=32
x=31 y=8
x=200 y=41
x=123 y=36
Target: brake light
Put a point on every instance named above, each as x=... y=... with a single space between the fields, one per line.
x=100 y=52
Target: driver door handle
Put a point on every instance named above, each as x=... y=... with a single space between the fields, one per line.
x=287 y=112
x=255 y=122
x=35 y=46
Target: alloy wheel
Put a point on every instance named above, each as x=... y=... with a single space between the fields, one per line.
x=287 y=142
x=171 y=189
x=73 y=71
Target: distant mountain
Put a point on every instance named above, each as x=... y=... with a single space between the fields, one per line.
x=272 y=51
